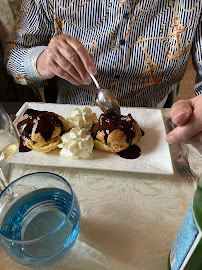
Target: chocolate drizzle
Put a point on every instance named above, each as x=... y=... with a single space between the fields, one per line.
x=46 y=123
x=108 y=123
x=132 y=152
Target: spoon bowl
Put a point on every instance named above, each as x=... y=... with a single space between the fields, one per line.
x=108 y=103
x=106 y=100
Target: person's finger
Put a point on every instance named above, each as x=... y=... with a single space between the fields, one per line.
x=68 y=67
x=181 y=111
x=190 y=129
x=60 y=72
x=61 y=67
x=82 y=52
x=73 y=63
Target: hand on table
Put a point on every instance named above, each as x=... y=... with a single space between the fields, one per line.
x=67 y=58
x=187 y=115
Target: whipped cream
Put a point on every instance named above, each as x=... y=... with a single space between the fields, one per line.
x=81 y=118
x=77 y=143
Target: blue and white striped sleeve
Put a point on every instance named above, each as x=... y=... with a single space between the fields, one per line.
x=31 y=35
x=197 y=58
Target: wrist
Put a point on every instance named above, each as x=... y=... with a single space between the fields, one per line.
x=30 y=63
x=42 y=66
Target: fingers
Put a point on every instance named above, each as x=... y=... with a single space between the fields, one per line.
x=181 y=112
x=60 y=72
x=70 y=61
x=81 y=63
x=63 y=67
x=57 y=64
x=82 y=53
x=191 y=131
x=185 y=132
x=67 y=58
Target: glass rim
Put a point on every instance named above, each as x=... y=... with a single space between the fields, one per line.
x=58 y=227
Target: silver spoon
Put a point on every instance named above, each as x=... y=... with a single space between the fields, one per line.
x=106 y=100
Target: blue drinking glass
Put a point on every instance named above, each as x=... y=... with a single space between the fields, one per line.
x=39 y=220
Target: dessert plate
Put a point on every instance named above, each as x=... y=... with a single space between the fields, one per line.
x=155 y=157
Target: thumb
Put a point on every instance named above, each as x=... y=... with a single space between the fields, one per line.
x=181 y=111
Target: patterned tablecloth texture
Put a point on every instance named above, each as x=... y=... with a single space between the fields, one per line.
x=129 y=220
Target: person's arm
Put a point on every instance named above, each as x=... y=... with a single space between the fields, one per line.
x=29 y=61
x=31 y=35
x=187 y=114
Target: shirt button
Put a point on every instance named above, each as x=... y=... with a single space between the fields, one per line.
x=126 y=15
x=122 y=42
x=116 y=76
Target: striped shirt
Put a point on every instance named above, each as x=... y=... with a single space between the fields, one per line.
x=141 y=48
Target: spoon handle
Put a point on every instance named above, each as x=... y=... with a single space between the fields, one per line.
x=95 y=81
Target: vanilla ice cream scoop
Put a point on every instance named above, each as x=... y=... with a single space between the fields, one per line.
x=77 y=143
x=81 y=118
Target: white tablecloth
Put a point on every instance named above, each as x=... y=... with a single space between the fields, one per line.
x=129 y=220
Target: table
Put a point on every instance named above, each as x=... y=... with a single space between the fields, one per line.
x=12 y=107
x=129 y=220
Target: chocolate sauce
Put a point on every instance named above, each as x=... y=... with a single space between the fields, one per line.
x=46 y=123
x=23 y=147
x=108 y=123
x=142 y=132
x=132 y=152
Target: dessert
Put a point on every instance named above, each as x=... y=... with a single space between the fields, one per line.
x=44 y=131
x=41 y=130
x=81 y=118
x=77 y=143
x=115 y=134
